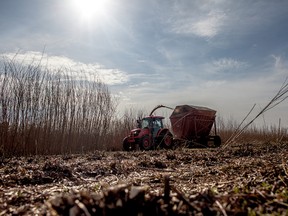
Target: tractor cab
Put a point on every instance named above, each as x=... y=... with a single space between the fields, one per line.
x=149 y=134
x=153 y=123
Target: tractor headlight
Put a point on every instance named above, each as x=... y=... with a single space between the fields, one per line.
x=135 y=132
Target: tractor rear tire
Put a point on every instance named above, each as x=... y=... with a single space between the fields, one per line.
x=167 y=141
x=146 y=143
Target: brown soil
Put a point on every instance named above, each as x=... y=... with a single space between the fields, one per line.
x=249 y=179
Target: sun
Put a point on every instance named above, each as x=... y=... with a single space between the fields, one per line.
x=89 y=10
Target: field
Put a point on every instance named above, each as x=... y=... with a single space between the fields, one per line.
x=246 y=179
x=60 y=154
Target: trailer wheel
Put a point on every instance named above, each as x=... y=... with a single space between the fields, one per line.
x=217 y=141
x=203 y=141
x=167 y=141
x=146 y=143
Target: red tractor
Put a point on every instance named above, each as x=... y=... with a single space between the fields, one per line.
x=149 y=134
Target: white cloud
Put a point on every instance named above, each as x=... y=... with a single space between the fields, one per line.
x=206 y=26
x=280 y=66
x=209 y=26
x=225 y=64
x=228 y=63
x=78 y=70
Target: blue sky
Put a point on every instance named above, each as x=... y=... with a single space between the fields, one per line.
x=226 y=55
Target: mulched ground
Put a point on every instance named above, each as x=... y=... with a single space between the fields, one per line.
x=247 y=179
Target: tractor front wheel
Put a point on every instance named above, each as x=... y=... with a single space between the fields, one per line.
x=146 y=143
x=127 y=146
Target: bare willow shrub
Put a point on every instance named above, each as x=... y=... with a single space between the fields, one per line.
x=46 y=111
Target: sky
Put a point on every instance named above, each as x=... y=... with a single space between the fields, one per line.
x=222 y=54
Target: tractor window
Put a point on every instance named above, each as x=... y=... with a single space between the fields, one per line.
x=145 y=123
x=157 y=123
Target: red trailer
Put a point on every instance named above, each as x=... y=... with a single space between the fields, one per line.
x=194 y=124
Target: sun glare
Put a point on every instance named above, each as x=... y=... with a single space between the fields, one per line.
x=91 y=9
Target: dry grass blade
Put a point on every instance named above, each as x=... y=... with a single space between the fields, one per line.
x=185 y=198
x=236 y=132
x=221 y=208
x=82 y=207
